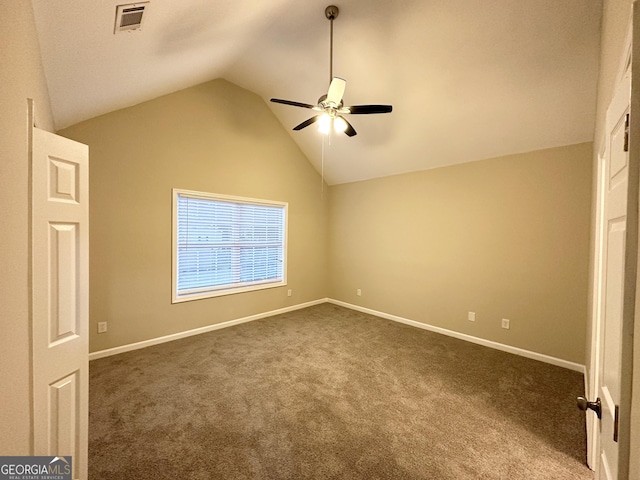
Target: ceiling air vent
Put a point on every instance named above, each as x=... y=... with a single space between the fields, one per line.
x=130 y=17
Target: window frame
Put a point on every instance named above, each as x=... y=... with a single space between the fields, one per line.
x=219 y=291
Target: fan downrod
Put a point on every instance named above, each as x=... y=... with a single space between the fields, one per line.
x=331 y=12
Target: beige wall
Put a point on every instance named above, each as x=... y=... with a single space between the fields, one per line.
x=215 y=137
x=21 y=76
x=505 y=238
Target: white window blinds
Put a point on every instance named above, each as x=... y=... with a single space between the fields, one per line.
x=226 y=244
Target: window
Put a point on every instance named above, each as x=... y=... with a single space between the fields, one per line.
x=224 y=245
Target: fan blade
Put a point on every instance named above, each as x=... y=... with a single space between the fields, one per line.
x=364 y=109
x=350 y=131
x=307 y=122
x=336 y=90
x=290 y=102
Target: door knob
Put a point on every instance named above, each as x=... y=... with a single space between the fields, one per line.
x=596 y=406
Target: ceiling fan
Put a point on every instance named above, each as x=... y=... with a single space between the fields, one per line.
x=330 y=106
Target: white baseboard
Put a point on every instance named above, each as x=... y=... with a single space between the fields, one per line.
x=469 y=338
x=462 y=336
x=196 y=331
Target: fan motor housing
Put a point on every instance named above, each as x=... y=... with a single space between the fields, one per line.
x=331 y=12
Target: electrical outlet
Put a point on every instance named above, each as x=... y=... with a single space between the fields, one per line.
x=289 y=293
x=472 y=316
x=505 y=323
x=102 y=327
x=359 y=292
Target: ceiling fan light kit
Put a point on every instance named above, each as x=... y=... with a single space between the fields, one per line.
x=331 y=105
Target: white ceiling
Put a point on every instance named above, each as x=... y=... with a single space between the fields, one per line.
x=468 y=79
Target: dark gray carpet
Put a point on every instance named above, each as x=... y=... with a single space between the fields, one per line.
x=330 y=393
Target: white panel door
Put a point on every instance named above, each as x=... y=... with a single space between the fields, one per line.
x=616 y=170
x=60 y=297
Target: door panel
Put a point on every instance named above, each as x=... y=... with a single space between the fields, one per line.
x=60 y=296
x=616 y=166
x=63 y=284
x=63 y=396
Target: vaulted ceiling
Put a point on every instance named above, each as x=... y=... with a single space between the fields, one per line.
x=468 y=79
